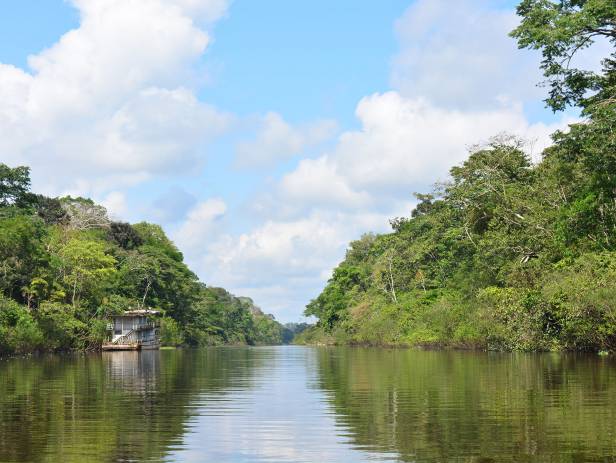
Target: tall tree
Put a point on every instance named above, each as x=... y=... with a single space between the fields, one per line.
x=86 y=266
x=14 y=184
x=561 y=29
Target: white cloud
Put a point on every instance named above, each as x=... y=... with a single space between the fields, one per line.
x=317 y=182
x=208 y=10
x=276 y=140
x=459 y=55
x=115 y=203
x=404 y=145
x=200 y=225
x=281 y=263
x=158 y=131
x=109 y=99
x=286 y=249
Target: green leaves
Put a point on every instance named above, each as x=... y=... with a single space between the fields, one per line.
x=561 y=30
x=85 y=267
x=14 y=185
x=21 y=252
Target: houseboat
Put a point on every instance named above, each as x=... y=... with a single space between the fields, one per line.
x=134 y=330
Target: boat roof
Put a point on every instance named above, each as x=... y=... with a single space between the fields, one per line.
x=137 y=312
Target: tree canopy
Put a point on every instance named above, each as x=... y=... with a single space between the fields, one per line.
x=65 y=266
x=561 y=30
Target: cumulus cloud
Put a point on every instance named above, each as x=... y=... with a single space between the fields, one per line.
x=459 y=55
x=200 y=225
x=109 y=99
x=404 y=145
x=277 y=140
x=115 y=203
x=317 y=182
x=207 y=10
x=280 y=263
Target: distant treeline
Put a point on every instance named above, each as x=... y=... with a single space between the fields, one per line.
x=507 y=254
x=65 y=267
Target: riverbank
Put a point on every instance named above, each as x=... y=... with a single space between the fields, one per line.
x=317 y=336
x=402 y=328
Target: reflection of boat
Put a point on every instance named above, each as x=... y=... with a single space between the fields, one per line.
x=134 y=330
x=135 y=371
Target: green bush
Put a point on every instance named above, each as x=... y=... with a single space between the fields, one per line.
x=514 y=319
x=582 y=299
x=19 y=332
x=60 y=326
x=170 y=332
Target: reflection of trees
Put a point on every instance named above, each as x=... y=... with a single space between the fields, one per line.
x=99 y=408
x=453 y=406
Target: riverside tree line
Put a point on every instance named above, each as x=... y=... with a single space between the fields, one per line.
x=507 y=254
x=65 y=267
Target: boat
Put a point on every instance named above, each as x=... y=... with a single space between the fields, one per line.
x=133 y=330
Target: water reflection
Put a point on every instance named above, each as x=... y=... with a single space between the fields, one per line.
x=121 y=406
x=458 y=406
x=280 y=418
x=294 y=404
x=132 y=370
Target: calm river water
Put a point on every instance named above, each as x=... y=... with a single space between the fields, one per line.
x=303 y=404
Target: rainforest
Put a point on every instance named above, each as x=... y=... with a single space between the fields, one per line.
x=65 y=268
x=510 y=252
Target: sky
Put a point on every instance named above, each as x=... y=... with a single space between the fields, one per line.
x=263 y=136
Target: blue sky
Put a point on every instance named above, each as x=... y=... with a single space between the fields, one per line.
x=262 y=135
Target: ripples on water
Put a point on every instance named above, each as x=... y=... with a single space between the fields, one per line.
x=300 y=404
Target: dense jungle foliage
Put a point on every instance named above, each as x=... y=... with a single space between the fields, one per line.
x=507 y=254
x=65 y=268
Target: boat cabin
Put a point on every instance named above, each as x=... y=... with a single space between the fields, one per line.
x=134 y=330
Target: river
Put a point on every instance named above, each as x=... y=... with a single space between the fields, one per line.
x=307 y=404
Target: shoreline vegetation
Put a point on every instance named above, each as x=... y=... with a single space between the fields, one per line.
x=508 y=254
x=65 y=267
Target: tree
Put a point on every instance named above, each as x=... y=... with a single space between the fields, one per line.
x=561 y=29
x=21 y=253
x=50 y=210
x=482 y=186
x=140 y=271
x=383 y=274
x=86 y=266
x=84 y=214
x=124 y=235
x=14 y=184
x=154 y=236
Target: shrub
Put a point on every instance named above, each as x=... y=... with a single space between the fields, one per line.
x=19 y=332
x=582 y=298
x=170 y=332
x=60 y=326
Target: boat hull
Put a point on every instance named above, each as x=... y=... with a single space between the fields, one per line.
x=110 y=346
x=132 y=346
